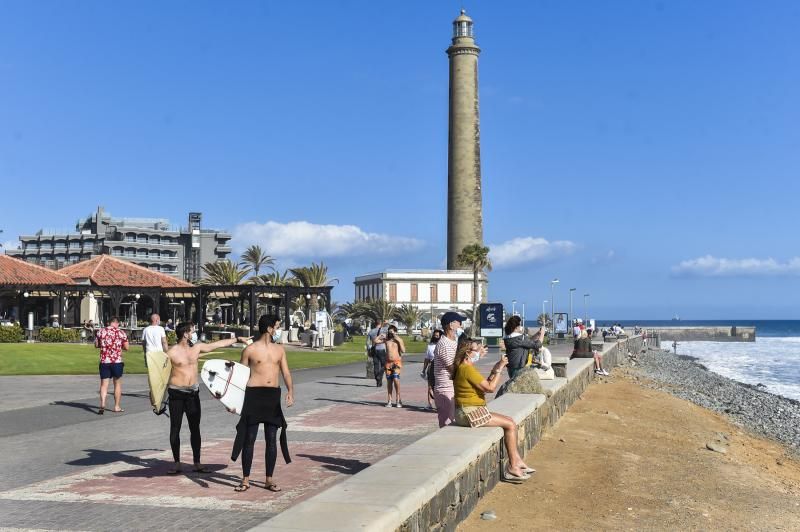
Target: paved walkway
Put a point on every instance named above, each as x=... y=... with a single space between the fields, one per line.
x=65 y=467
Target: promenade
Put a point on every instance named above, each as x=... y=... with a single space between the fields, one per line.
x=65 y=467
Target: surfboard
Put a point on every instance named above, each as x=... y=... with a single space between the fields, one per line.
x=226 y=380
x=159 y=368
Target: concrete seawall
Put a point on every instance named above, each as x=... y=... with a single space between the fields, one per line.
x=710 y=334
x=435 y=482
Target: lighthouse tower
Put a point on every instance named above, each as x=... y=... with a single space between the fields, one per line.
x=464 y=202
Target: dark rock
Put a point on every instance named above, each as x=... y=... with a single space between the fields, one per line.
x=525 y=381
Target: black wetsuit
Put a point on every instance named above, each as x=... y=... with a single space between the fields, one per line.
x=184 y=401
x=262 y=404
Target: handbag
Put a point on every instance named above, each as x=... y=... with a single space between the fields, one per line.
x=479 y=417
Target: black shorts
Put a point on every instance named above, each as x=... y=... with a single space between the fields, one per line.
x=111 y=370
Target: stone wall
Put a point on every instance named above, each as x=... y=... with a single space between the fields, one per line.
x=710 y=334
x=437 y=481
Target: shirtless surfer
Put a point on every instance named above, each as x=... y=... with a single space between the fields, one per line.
x=262 y=401
x=184 y=390
x=394 y=363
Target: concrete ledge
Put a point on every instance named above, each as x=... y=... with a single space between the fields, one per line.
x=578 y=366
x=435 y=482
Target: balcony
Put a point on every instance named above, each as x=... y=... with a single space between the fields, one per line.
x=223 y=248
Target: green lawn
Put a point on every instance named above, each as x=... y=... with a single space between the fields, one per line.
x=358 y=343
x=82 y=359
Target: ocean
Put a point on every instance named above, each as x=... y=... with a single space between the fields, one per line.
x=772 y=360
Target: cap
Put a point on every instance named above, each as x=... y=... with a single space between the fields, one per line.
x=449 y=317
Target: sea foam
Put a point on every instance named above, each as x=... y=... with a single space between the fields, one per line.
x=773 y=362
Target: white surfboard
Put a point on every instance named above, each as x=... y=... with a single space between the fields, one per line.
x=159 y=368
x=226 y=380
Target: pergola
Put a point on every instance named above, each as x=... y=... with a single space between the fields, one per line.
x=118 y=283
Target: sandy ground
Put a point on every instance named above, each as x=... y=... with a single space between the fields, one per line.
x=626 y=457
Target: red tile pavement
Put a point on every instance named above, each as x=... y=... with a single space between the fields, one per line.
x=143 y=480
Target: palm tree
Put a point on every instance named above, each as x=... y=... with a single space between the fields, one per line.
x=379 y=310
x=223 y=272
x=273 y=278
x=545 y=320
x=475 y=257
x=354 y=311
x=408 y=315
x=255 y=257
x=313 y=276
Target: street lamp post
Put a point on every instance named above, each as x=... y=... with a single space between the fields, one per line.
x=513 y=307
x=544 y=313
x=570 y=303
x=553 y=300
x=585 y=308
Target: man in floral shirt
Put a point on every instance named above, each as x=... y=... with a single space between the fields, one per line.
x=111 y=341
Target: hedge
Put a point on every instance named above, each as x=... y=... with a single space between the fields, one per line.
x=11 y=334
x=57 y=334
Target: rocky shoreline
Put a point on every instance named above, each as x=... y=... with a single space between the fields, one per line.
x=751 y=407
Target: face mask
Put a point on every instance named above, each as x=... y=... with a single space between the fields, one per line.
x=194 y=337
x=459 y=331
x=276 y=336
x=475 y=357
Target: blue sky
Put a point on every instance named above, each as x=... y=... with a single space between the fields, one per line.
x=644 y=152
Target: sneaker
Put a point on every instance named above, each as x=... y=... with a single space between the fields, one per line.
x=604 y=372
x=389 y=404
x=399 y=404
x=598 y=372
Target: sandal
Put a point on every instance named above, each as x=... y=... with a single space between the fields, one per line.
x=241 y=487
x=508 y=475
x=101 y=411
x=272 y=487
x=118 y=411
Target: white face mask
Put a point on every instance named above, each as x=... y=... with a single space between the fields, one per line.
x=276 y=335
x=194 y=337
x=475 y=357
x=459 y=331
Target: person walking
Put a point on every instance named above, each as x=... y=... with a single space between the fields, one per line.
x=394 y=363
x=183 y=391
x=427 y=367
x=154 y=337
x=266 y=359
x=378 y=351
x=112 y=342
x=443 y=356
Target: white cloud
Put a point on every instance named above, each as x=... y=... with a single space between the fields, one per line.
x=308 y=240
x=524 y=250
x=710 y=266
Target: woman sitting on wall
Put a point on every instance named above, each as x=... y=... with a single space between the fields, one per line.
x=517 y=346
x=470 y=388
x=583 y=349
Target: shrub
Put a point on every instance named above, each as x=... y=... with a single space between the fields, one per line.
x=172 y=339
x=11 y=334
x=57 y=334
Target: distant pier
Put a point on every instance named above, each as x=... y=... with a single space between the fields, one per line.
x=707 y=334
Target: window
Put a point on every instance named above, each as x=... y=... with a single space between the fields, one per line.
x=414 y=292
x=453 y=292
x=434 y=293
x=393 y=292
x=130 y=237
x=75 y=245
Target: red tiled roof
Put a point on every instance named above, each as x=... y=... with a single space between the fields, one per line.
x=105 y=270
x=14 y=271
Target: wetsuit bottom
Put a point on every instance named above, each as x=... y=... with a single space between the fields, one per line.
x=187 y=402
x=271 y=454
